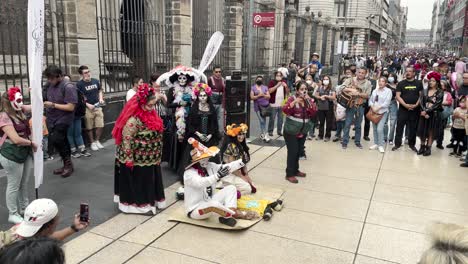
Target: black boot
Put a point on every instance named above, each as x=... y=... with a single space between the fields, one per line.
x=422 y=150
x=59 y=171
x=68 y=168
x=427 y=152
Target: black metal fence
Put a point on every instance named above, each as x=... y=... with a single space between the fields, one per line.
x=14 y=39
x=134 y=40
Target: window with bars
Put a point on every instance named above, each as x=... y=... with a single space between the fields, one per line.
x=340 y=8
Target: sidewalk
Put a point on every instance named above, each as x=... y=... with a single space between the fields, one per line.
x=355 y=206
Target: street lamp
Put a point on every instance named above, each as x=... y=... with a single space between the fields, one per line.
x=369 y=18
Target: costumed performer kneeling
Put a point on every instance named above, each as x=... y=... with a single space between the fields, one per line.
x=200 y=178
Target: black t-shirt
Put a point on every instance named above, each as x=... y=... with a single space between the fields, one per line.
x=409 y=90
x=90 y=90
x=463 y=90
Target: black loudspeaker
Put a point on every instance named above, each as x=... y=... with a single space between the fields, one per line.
x=236 y=118
x=235 y=96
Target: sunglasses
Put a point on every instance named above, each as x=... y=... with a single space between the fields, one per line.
x=217 y=71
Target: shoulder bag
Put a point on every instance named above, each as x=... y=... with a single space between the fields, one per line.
x=373 y=116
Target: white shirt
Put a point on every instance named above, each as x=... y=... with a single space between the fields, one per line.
x=384 y=99
x=130 y=94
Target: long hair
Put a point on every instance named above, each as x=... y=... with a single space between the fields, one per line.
x=5 y=106
x=242 y=146
x=449 y=245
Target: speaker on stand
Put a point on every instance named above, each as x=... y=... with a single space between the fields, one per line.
x=236 y=98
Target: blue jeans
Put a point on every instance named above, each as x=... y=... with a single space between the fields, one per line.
x=262 y=121
x=220 y=115
x=339 y=128
x=312 y=128
x=276 y=112
x=350 y=114
x=378 y=129
x=74 y=134
x=392 y=119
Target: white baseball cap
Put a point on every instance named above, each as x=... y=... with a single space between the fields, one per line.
x=38 y=213
x=435 y=65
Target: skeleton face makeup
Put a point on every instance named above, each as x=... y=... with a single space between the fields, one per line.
x=182 y=80
x=203 y=97
x=204 y=163
x=17 y=103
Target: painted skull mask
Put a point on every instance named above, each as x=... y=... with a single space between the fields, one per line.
x=182 y=79
x=203 y=163
x=203 y=97
x=17 y=102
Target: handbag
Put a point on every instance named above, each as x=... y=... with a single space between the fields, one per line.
x=13 y=152
x=373 y=116
x=265 y=110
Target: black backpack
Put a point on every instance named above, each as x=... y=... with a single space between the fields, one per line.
x=80 y=107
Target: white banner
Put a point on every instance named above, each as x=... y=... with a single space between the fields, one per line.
x=35 y=52
x=339 y=46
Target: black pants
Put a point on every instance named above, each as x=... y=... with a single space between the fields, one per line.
x=410 y=120
x=294 y=146
x=367 y=124
x=325 y=116
x=58 y=140
x=440 y=137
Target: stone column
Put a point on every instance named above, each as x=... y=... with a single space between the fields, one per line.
x=319 y=39
x=307 y=40
x=87 y=42
x=181 y=19
x=329 y=46
x=232 y=26
x=290 y=38
x=71 y=34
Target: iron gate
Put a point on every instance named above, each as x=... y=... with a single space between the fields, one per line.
x=134 y=39
x=14 y=39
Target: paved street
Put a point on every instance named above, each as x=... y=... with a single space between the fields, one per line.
x=355 y=206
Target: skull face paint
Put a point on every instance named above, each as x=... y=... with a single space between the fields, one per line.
x=203 y=163
x=17 y=103
x=182 y=80
x=203 y=97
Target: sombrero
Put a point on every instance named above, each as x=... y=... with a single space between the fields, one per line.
x=200 y=152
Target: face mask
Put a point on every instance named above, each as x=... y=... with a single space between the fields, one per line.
x=309 y=82
x=279 y=78
x=391 y=80
x=203 y=97
x=259 y=82
x=18 y=102
x=326 y=82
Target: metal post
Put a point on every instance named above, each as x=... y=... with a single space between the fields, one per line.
x=368 y=38
x=343 y=38
x=250 y=59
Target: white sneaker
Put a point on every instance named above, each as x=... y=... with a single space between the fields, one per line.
x=15 y=219
x=267 y=138
x=381 y=149
x=373 y=147
x=94 y=146
x=99 y=145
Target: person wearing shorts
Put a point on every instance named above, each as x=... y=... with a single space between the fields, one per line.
x=94 y=117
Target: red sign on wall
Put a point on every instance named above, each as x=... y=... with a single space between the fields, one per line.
x=266 y=19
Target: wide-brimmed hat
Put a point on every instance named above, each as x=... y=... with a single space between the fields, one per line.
x=200 y=152
x=233 y=130
x=315 y=54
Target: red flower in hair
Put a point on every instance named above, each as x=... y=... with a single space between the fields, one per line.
x=434 y=75
x=144 y=91
x=11 y=93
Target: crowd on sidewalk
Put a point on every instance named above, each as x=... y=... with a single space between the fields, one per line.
x=177 y=117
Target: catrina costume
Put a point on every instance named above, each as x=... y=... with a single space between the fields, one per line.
x=138 y=185
x=202 y=122
x=179 y=101
x=235 y=149
x=202 y=200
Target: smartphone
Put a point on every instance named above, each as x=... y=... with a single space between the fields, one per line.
x=84 y=212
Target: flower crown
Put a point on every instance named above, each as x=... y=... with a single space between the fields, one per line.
x=11 y=93
x=198 y=87
x=434 y=75
x=234 y=130
x=144 y=91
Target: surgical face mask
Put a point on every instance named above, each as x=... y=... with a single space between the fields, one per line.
x=391 y=80
x=182 y=80
x=309 y=82
x=203 y=97
x=18 y=102
x=326 y=82
x=204 y=163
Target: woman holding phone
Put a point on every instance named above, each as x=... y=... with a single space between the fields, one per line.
x=299 y=109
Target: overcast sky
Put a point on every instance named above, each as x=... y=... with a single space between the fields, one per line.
x=419 y=13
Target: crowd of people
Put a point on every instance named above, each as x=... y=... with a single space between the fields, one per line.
x=183 y=125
